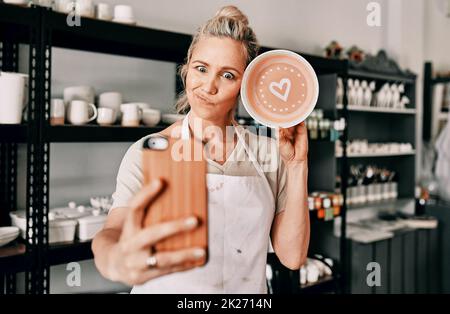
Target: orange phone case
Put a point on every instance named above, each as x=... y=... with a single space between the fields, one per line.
x=184 y=195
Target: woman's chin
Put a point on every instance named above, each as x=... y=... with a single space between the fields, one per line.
x=206 y=112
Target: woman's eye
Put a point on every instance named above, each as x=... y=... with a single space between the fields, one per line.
x=228 y=75
x=201 y=68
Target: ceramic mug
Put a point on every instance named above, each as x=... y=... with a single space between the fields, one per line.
x=64 y=6
x=82 y=92
x=86 y=93
x=131 y=114
x=79 y=112
x=124 y=12
x=85 y=8
x=106 y=116
x=103 y=11
x=111 y=100
x=57 y=111
x=13 y=96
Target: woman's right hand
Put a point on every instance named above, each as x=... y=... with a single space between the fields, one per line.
x=128 y=257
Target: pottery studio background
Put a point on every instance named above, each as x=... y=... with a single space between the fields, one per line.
x=411 y=32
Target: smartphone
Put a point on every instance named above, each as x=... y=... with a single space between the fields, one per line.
x=184 y=195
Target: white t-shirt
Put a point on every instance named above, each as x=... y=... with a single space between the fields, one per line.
x=130 y=176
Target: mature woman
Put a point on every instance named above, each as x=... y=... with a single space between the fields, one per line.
x=247 y=205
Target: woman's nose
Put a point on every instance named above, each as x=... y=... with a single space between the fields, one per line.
x=209 y=84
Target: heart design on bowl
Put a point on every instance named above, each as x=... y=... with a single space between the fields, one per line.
x=280 y=86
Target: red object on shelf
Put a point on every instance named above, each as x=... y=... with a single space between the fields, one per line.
x=336 y=210
x=321 y=213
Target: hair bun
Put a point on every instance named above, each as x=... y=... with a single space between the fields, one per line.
x=232 y=12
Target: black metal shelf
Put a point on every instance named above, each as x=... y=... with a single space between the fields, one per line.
x=326 y=284
x=382 y=76
x=96 y=133
x=364 y=109
x=115 y=38
x=439 y=80
x=13 y=133
x=13 y=258
x=380 y=155
x=15 y=22
x=69 y=252
x=431 y=122
x=391 y=204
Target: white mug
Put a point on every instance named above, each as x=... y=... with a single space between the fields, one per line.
x=86 y=93
x=79 y=112
x=131 y=114
x=85 y=8
x=13 y=96
x=103 y=12
x=106 y=116
x=64 y=6
x=123 y=13
x=111 y=100
x=57 y=111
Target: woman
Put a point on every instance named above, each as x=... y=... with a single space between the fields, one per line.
x=259 y=205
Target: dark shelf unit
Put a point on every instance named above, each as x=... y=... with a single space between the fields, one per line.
x=95 y=133
x=13 y=257
x=386 y=126
x=42 y=29
x=392 y=78
x=390 y=126
x=328 y=283
x=19 y=25
x=13 y=133
x=61 y=253
x=430 y=121
x=441 y=80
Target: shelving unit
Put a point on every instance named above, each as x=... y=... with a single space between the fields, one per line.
x=397 y=203
x=379 y=125
x=43 y=29
x=95 y=133
x=433 y=116
x=375 y=155
x=377 y=109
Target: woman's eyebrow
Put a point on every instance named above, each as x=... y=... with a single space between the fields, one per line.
x=223 y=68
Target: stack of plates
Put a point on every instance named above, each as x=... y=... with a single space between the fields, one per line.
x=8 y=234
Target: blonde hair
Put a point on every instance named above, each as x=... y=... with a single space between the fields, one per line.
x=229 y=22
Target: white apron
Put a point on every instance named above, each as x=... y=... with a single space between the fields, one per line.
x=240 y=214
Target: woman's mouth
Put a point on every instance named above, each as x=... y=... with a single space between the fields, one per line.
x=204 y=100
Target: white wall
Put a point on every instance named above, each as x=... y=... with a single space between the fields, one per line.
x=80 y=170
x=437 y=34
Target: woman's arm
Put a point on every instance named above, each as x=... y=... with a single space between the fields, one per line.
x=291 y=229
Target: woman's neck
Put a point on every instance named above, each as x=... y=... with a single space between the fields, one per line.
x=207 y=129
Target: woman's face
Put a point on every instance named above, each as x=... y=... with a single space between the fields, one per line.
x=214 y=77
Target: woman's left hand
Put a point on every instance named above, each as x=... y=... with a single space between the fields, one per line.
x=294 y=144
